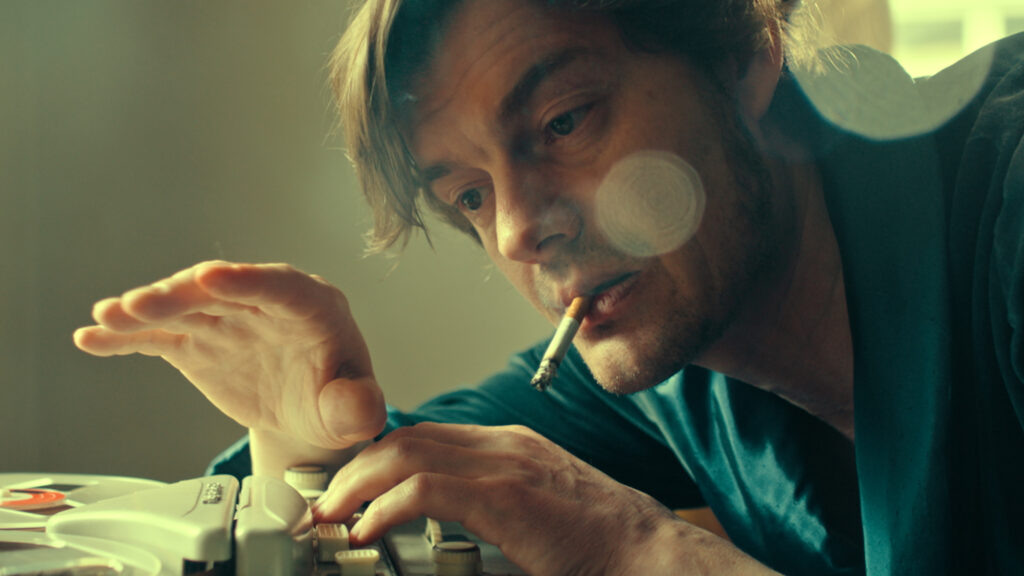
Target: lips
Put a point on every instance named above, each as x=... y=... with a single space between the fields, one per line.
x=607 y=296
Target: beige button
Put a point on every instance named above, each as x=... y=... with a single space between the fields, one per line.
x=362 y=562
x=456 y=558
x=433 y=532
x=330 y=539
x=310 y=481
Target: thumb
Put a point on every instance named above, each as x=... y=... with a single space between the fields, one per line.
x=351 y=411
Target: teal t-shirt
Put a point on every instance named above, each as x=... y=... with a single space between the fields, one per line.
x=931 y=233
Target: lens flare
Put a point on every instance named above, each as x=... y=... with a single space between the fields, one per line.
x=868 y=93
x=650 y=203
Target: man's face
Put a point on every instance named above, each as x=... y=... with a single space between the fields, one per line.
x=520 y=116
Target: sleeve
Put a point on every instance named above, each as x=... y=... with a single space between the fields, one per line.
x=609 y=432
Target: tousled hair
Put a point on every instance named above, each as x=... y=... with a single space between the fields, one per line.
x=389 y=43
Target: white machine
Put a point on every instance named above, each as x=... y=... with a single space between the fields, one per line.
x=87 y=525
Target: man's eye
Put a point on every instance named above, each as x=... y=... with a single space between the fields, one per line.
x=564 y=124
x=470 y=200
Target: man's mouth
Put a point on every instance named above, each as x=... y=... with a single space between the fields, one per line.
x=608 y=295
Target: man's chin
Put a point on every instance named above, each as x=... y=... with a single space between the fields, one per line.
x=620 y=370
x=648 y=351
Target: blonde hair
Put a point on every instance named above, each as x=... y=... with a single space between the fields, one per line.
x=370 y=107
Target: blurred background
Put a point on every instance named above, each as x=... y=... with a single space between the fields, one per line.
x=137 y=138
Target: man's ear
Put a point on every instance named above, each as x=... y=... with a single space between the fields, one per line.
x=756 y=87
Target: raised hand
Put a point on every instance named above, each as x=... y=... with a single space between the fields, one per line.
x=274 y=348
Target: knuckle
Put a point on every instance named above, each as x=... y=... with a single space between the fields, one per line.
x=377 y=507
x=521 y=430
x=398 y=433
x=525 y=439
x=373 y=449
x=425 y=427
x=512 y=492
x=528 y=466
x=337 y=296
x=419 y=486
x=403 y=448
x=201 y=268
x=282 y=268
x=527 y=470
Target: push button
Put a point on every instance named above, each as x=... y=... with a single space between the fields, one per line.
x=456 y=558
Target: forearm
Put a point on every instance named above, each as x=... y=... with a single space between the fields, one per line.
x=678 y=547
x=273 y=453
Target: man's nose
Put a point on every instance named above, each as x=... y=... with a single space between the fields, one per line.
x=535 y=217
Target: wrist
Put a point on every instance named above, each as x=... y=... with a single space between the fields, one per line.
x=272 y=453
x=670 y=545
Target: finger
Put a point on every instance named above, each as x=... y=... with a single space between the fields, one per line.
x=278 y=289
x=111 y=313
x=149 y=306
x=436 y=496
x=384 y=465
x=453 y=434
x=176 y=296
x=506 y=440
x=99 y=341
x=352 y=410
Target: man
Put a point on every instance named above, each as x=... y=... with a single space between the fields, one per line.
x=835 y=288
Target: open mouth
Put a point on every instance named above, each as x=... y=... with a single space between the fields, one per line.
x=609 y=295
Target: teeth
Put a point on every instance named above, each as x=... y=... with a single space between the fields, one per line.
x=607 y=298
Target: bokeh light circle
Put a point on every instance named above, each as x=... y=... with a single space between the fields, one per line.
x=868 y=93
x=650 y=203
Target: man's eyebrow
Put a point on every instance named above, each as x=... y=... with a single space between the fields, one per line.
x=520 y=95
x=435 y=172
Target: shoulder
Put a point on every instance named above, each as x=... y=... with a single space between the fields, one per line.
x=983 y=150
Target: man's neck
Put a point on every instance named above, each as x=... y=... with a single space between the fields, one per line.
x=794 y=338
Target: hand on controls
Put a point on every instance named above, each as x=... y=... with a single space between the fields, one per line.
x=273 y=348
x=548 y=511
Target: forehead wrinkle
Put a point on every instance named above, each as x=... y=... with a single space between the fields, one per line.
x=522 y=92
x=482 y=40
x=516 y=99
x=441 y=96
x=470 y=37
x=467 y=50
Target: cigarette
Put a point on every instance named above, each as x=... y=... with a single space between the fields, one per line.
x=560 y=342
